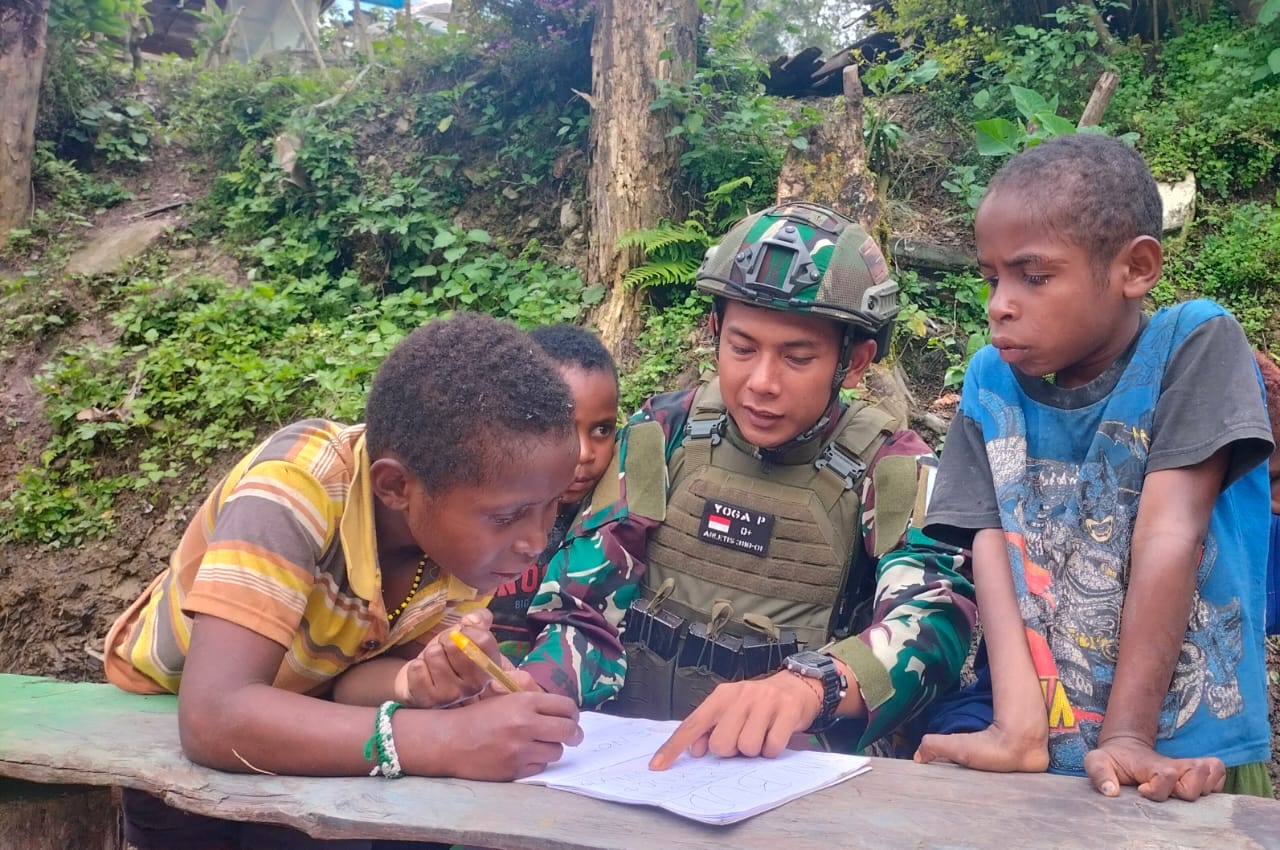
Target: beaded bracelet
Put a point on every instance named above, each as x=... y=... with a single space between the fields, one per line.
x=383 y=743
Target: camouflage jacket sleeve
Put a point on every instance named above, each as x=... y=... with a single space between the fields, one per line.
x=923 y=607
x=596 y=575
x=578 y=608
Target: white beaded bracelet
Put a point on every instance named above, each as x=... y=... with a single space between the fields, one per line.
x=382 y=743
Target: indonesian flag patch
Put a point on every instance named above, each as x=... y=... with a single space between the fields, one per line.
x=735 y=527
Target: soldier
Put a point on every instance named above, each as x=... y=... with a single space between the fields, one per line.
x=764 y=534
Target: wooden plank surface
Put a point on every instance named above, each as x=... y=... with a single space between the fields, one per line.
x=56 y=732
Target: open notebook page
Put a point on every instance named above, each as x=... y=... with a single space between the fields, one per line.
x=612 y=763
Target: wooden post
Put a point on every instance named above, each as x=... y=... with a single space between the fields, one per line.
x=363 y=43
x=833 y=169
x=1105 y=38
x=1098 y=101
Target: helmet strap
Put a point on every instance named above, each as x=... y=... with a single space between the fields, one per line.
x=717 y=321
x=847 y=340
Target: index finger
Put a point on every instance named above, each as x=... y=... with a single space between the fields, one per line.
x=482 y=638
x=686 y=735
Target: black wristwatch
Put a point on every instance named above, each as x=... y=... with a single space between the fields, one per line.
x=815 y=665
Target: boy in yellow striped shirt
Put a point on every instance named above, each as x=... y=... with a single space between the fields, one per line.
x=328 y=545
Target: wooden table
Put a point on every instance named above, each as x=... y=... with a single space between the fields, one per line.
x=89 y=734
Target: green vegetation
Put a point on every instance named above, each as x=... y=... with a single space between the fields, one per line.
x=1207 y=111
x=735 y=136
x=1235 y=260
x=351 y=205
x=948 y=317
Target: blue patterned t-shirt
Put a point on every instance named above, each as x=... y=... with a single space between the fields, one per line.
x=1061 y=471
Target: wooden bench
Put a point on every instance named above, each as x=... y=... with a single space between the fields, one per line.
x=67 y=734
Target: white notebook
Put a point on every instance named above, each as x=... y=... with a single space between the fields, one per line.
x=612 y=763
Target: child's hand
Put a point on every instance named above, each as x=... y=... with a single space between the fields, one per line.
x=442 y=675
x=1127 y=761
x=522 y=678
x=519 y=735
x=995 y=749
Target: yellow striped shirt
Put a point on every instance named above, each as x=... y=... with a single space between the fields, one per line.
x=285 y=546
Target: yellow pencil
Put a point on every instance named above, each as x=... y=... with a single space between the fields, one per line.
x=483 y=661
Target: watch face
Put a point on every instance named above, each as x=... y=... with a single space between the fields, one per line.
x=809 y=663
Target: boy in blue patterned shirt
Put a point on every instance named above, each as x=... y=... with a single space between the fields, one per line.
x=1106 y=468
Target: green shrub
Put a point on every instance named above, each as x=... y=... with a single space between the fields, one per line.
x=730 y=128
x=672 y=343
x=1209 y=113
x=1236 y=263
x=948 y=316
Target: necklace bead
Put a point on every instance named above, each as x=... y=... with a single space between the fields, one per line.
x=413 y=591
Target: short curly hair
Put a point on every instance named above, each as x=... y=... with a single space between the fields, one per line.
x=458 y=396
x=1094 y=190
x=570 y=345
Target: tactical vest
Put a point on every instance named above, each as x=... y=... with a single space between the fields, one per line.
x=751 y=561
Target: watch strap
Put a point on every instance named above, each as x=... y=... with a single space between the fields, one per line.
x=834 y=688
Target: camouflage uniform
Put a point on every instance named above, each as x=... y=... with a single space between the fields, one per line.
x=907 y=617
x=588 y=585
x=921 y=614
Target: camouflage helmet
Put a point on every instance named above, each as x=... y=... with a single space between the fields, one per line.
x=805 y=258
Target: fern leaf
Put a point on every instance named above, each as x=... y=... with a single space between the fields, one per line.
x=662 y=273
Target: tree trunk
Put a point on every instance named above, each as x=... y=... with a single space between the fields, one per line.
x=833 y=169
x=908 y=251
x=634 y=166
x=23 y=25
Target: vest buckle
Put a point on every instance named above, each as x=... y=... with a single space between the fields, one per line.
x=847 y=468
x=703 y=429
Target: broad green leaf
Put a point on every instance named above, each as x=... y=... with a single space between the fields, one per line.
x=1054 y=124
x=927 y=71
x=1029 y=102
x=997 y=136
